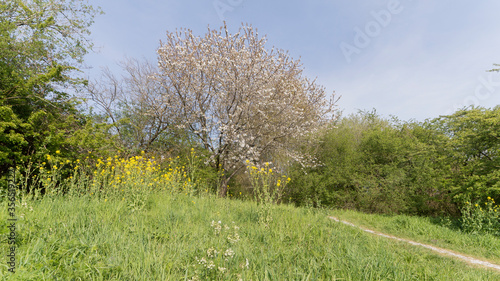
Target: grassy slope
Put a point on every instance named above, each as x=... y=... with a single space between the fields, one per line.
x=90 y=239
x=429 y=231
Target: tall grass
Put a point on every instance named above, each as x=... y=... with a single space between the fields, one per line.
x=442 y=232
x=138 y=221
x=84 y=238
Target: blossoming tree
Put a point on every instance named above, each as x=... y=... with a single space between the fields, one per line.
x=238 y=99
x=242 y=101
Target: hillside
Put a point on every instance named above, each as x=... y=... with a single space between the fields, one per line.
x=178 y=237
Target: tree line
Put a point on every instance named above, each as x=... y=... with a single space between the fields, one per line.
x=384 y=165
x=237 y=102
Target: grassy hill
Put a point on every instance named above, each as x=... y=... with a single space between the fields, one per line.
x=179 y=237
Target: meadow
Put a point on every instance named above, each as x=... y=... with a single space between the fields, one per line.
x=83 y=197
x=183 y=237
x=136 y=219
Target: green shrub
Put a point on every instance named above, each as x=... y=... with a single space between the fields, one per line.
x=372 y=164
x=481 y=218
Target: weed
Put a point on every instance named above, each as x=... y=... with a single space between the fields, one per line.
x=481 y=218
x=220 y=261
x=268 y=189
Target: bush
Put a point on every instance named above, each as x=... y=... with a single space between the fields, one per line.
x=375 y=165
x=481 y=218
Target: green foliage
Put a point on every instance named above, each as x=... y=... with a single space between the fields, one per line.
x=387 y=166
x=371 y=164
x=481 y=218
x=26 y=144
x=474 y=138
x=42 y=44
x=11 y=137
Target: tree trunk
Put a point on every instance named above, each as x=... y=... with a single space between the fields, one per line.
x=223 y=187
x=225 y=181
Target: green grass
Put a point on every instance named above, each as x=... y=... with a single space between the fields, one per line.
x=84 y=238
x=434 y=231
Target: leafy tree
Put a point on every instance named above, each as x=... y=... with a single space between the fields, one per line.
x=474 y=139
x=42 y=44
x=375 y=165
x=426 y=168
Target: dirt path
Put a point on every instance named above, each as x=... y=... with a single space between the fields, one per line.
x=433 y=248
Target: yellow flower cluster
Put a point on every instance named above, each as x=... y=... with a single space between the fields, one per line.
x=489 y=205
x=268 y=185
x=117 y=174
x=139 y=172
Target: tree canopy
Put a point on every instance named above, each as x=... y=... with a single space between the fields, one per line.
x=42 y=44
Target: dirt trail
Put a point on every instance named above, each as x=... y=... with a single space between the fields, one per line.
x=433 y=248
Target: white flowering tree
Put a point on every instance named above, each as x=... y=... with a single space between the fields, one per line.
x=239 y=100
x=242 y=101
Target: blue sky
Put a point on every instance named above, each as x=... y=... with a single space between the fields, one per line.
x=410 y=59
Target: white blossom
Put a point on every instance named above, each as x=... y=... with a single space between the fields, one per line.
x=240 y=100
